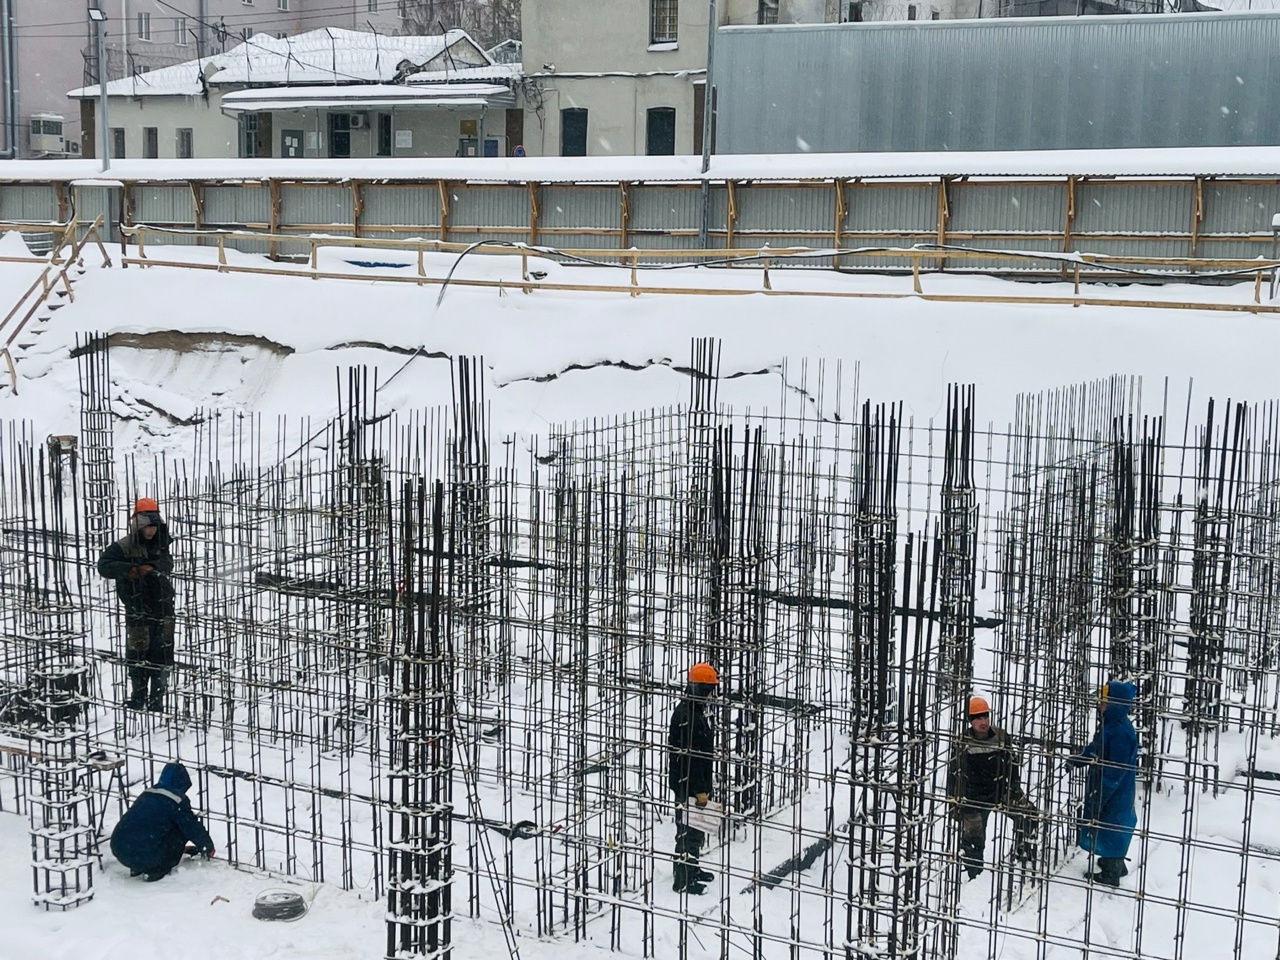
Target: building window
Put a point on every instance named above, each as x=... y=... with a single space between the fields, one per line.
x=855 y=12
x=185 y=147
x=660 y=132
x=384 y=134
x=282 y=4
x=767 y=12
x=282 y=36
x=402 y=9
x=339 y=134
x=664 y=16
x=573 y=132
x=911 y=11
x=373 y=6
x=934 y=15
x=180 y=31
x=117 y=143
x=144 y=26
x=150 y=142
x=249 y=141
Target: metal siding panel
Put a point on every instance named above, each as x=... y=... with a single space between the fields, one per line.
x=328 y=207
x=656 y=210
x=892 y=208
x=978 y=207
x=233 y=205
x=1117 y=206
x=28 y=202
x=574 y=206
x=1062 y=83
x=502 y=209
x=163 y=203
x=398 y=205
x=1240 y=207
x=809 y=210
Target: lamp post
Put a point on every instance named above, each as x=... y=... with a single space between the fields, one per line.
x=708 y=112
x=99 y=18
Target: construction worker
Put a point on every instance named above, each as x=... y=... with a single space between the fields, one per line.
x=690 y=748
x=140 y=564
x=981 y=777
x=1108 y=816
x=152 y=836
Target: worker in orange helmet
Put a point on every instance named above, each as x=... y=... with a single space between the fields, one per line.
x=981 y=777
x=690 y=749
x=140 y=564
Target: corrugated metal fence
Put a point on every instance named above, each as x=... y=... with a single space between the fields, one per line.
x=1151 y=217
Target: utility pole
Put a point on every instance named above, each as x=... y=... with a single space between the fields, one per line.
x=708 y=116
x=99 y=18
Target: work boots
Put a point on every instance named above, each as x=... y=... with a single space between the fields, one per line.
x=137 y=688
x=159 y=684
x=1110 y=870
x=689 y=878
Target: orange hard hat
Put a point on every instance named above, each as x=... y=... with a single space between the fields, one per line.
x=703 y=673
x=978 y=706
x=146 y=505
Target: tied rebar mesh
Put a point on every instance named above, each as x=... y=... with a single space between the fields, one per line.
x=445 y=680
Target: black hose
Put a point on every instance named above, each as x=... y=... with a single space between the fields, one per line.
x=279 y=904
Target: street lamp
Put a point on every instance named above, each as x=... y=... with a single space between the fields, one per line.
x=99 y=19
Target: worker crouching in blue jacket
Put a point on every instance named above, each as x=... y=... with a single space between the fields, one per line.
x=152 y=835
x=1108 y=816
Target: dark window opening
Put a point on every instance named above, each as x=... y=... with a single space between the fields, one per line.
x=384 y=134
x=660 y=132
x=573 y=132
x=339 y=134
x=150 y=142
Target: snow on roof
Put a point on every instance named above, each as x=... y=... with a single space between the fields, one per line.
x=318 y=56
x=1162 y=162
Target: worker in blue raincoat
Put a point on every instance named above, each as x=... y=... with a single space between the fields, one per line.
x=153 y=833
x=1108 y=816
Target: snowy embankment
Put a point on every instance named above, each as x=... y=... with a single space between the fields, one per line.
x=189 y=340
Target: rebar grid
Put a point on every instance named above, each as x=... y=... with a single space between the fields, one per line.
x=411 y=670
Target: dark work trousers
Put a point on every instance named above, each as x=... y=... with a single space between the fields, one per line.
x=149 y=655
x=973 y=832
x=688 y=845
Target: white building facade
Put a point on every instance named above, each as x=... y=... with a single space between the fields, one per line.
x=327 y=93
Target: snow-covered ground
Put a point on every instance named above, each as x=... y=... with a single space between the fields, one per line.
x=193 y=340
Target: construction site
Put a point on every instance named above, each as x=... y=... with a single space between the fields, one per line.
x=412 y=661
x=431 y=629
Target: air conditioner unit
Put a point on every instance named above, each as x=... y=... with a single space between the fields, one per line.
x=359 y=121
x=46 y=134
x=73 y=146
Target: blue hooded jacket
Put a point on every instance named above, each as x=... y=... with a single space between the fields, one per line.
x=154 y=831
x=1108 y=817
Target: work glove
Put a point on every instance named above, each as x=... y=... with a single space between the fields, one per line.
x=700 y=799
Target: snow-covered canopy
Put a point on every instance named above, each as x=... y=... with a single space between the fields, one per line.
x=367 y=95
x=325 y=56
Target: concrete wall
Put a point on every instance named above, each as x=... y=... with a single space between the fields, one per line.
x=616 y=113
x=435 y=131
x=213 y=135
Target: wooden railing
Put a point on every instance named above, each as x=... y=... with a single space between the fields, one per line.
x=1079 y=268
x=35 y=296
